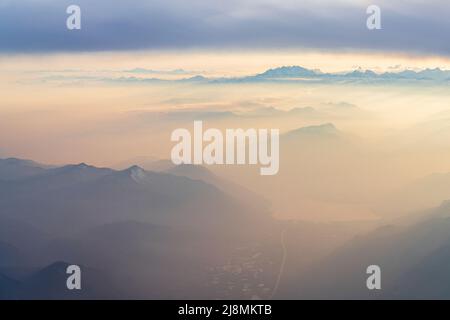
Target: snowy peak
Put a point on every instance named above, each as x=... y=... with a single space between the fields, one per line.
x=291 y=72
x=288 y=71
x=136 y=173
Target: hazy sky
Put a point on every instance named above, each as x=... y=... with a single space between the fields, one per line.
x=413 y=26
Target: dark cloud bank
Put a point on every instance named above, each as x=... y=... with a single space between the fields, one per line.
x=40 y=26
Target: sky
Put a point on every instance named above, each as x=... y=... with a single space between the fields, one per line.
x=39 y=26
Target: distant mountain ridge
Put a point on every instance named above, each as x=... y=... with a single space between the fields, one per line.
x=414 y=260
x=328 y=129
x=14 y=168
x=286 y=72
x=296 y=74
x=299 y=73
x=291 y=71
x=74 y=196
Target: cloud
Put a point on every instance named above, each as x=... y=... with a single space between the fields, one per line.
x=40 y=25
